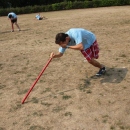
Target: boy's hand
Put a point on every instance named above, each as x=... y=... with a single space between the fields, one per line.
x=52 y=55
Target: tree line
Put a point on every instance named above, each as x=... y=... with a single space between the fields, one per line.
x=23 y=3
x=34 y=6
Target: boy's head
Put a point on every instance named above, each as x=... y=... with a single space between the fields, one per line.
x=10 y=15
x=62 y=39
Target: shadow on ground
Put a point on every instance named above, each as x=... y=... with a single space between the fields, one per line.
x=9 y=31
x=112 y=75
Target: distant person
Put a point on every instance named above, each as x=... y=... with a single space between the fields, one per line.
x=13 y=18
x=82 y=40
x=38 y=17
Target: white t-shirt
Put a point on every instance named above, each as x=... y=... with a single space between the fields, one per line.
x=13 y=15
x=37 y=16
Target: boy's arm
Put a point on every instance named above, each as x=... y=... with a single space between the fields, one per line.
x=76 y=47
x=8 y=17
x=56 y=55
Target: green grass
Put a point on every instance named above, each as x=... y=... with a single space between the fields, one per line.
x=123 y=55
x=35 y=100
x=68 y=114
x=20 y=92
x=112 y=128
x=15 y=123
x=88 y=91
x=66 y=97
x=1 y=128
x=99 y=102
x=1 y=66
x=57 y=109
x=34 y=127
x=15 y=107
x=105 y=118
x=38 y=113
x=26 y=122
x=2 y=86
x=83 y=88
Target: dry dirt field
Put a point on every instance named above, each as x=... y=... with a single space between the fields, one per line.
x=68 y=96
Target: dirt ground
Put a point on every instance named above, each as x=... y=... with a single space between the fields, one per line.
x=68 y=96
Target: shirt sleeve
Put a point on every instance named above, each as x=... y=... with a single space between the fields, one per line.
x=62 y=50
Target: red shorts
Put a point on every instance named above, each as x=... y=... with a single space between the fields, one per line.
x=91 y=52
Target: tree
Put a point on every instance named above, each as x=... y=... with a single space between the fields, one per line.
x=3 y=3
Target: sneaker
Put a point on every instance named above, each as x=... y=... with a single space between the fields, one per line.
x=101 y=71
x=12 y=31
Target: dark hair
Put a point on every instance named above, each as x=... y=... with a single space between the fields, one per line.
x=10 y=16
x=60 y=37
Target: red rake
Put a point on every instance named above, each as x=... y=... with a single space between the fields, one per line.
x=36 y=80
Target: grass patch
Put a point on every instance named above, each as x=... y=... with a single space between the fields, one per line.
x=83 y=88
x=66 y=97
x=15 y=107
x=39 y=113
x=26 y=122
x=2 y=86
x=1 y=128
x=46 y=90
x=61 y=93
x=1 y=66
x=68 y=114
x=57 y=109
x=46 y=104
x=15 y=123
x=105 y=118
x=35 y=100
x=112 y=128
x=122 y=55
x=88 y=91
x=1 y=94
x=121 y=126
x=34 y=127
x=99 y=102
x=20 y=92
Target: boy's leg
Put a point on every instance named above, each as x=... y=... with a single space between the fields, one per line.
x=17 y=26
x=12 y=25
x=91 y=54
x=40 y=18
x=95 y=63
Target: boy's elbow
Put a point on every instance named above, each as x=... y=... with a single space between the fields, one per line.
x=81 y=47
x=60 y=54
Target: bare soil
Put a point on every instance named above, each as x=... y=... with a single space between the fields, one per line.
x=68 y=96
